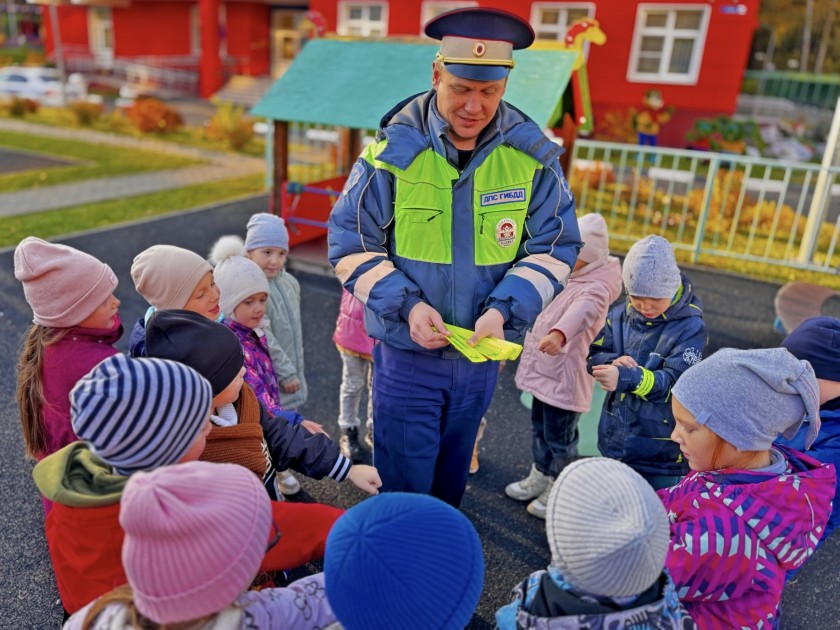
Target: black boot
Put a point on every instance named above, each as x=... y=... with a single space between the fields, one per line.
x=350 y=447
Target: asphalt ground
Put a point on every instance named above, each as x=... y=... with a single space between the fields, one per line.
x=739 y=313
x=12 y=161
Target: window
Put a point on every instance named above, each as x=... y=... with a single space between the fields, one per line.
x=433 y=8
x=668 y=43
x=363 y=19
x=551 y=20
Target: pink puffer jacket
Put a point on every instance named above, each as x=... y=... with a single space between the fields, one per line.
x=350 y=333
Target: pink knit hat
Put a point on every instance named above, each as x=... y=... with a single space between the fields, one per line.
x=62 y=285
x=167 y=275
x=593 y=233
x=195 y=536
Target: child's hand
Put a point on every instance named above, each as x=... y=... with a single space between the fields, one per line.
x=626 y=361
x=365 y=478
x=552 y=343
x=313 y=427
x=607 y=376
x=292 y=386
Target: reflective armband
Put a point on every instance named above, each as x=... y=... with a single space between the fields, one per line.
x=646 y=384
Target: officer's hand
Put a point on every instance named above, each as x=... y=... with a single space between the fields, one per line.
x=607 y=376
x=491 y=324
x=427 y=327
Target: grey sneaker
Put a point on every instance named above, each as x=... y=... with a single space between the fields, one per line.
x=369 y=438
x=287 y=483
x=530 y=487
x=350 y=447
x=539 y=506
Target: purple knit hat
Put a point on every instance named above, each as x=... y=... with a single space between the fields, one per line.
x=195 y=536
x=63 y=285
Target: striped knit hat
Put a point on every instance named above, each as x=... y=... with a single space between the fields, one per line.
x=195 y=535
x=607 y=529
x=139 y=414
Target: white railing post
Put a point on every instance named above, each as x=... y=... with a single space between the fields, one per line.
x=820 y=199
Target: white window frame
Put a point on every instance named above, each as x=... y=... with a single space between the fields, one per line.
x=669 y=34
x=563 y=7
x=364 y=24
x=433 y=8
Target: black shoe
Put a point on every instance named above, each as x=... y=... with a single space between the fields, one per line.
x=350 y=447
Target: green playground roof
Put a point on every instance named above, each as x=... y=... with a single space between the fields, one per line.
x=354 y=83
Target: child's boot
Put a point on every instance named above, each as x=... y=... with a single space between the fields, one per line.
x=287 y=482
x=539 y=506
x=529 y=488
x=349 y=445
x=479 y=435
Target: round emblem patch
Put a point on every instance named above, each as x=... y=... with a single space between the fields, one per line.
x=506 y=232
x=479 y=48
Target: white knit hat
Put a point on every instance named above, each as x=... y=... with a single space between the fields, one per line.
x=596 y=241
x=238 y=278
x=650 y=269
x=607 y=529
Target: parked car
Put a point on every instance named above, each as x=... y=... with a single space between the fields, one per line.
x=41 y=84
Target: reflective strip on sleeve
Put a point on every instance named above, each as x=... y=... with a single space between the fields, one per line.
x=646 y=384
x=555 y=267
x=542 y=284
x=348 y=265
x=365 y=283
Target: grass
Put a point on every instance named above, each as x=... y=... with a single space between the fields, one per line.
x=98 y=161
x=105 y=213
x=117 y=123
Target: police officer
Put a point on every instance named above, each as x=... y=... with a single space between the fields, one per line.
x=457 y=213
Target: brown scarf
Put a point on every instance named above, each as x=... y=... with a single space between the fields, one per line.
x=242 y=443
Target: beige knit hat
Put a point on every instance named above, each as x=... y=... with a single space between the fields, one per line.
x=167 y=275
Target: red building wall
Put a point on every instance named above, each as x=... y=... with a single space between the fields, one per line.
x=152 y=28
x=727 y=46
x=248 y=37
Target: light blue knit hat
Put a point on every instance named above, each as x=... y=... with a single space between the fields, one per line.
x=266 y=230
x=139 y=414
x=749 y=397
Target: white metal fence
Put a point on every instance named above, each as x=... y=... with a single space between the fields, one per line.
x=713 y=204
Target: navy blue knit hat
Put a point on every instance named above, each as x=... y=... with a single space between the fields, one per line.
x=817 y=341
x=210 y=348
x=400 y=560
x=139 y=414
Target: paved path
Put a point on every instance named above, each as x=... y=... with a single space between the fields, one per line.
x=218 y=166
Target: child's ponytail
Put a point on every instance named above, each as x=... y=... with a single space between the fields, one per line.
x=30 y=386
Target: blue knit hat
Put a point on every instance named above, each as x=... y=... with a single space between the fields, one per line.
x=139 y=414
x=817 y=341
x=650 y=269
x=749 y=397
x=266 y=230
x=401 y=560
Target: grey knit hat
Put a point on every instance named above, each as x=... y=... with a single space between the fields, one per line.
x=607 y=529
x=748 y=397
x=139 y=414
x=266 y=230
x=650 y=269
x=238 y=277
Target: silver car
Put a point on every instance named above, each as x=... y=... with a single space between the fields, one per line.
x=40 y=84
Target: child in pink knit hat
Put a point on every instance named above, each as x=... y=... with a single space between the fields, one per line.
x=195 y=535
x=75 y=324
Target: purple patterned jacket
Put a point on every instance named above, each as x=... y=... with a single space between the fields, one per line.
x=259 y=371
x=734 y=534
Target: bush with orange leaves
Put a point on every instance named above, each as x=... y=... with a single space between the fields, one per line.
x=151 y=115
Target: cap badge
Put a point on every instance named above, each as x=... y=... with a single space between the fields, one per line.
x=479 y=48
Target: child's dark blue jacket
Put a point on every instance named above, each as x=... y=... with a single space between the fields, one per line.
x=637 y=421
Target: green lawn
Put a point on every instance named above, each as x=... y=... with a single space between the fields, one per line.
x=98 y=161
x=55 y=223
